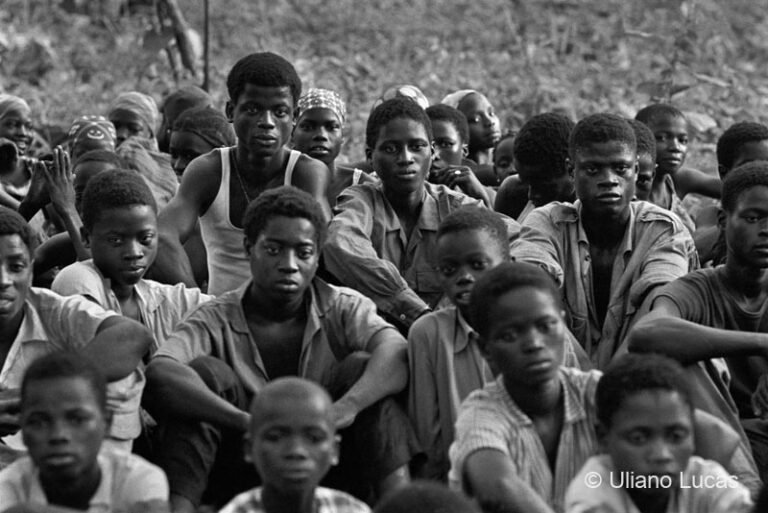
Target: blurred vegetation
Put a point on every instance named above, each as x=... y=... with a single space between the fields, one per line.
x=528 y=56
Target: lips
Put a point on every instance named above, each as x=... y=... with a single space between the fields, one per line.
x=539 y=366
x=60 y=460
x=611 y=197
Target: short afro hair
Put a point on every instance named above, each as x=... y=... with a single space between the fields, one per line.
x=543 y=142
x=66 y=364
x=425 y=496
x=106 y=156
x=453 y=116
x=11 y=223
x=751 y=174
x=729 y=144
x=396 y=108
x=479 y=219
x=601 y=128
x=114 y=188
x=658 y=111
x=264 y=69
x=634 y=373
x=646 y=142
x=502 y=279
x=285 y=201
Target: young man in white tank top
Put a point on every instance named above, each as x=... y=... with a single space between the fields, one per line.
x=217 y=187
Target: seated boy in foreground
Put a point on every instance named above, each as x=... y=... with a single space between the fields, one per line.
x=282 y=322
x=646 y=429
x=292 y=442
x=64 y=419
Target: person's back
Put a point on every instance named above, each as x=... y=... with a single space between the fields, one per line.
x=646 y=428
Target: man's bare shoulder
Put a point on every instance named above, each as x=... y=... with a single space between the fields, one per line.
x=202 y=178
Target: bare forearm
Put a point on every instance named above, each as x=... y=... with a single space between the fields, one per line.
x=73 y=224
x=689 y=342
x=174 y=389
x=385 y=374
x=497 y=488
x=172 y=263
x=118 y=346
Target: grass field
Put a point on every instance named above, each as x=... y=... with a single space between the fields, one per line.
x=527 y=56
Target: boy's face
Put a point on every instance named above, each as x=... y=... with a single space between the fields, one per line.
x=543 y=185
x=262 y=118
x=17 y=127
x=123 y=243
x=484 y=126
x=504 y=158
x=747 y=152
x=128 y=124
x=294 y=444
x=185 y=147
x=671 y=135
x=402 y=156
x=746 y=228
x=15 y=277
x=83 y=174
x=63 y=426
x=284 y=258
x=646 y=171
x=605 y=177
x=319 y=134
x=651 y=434
x=462 y=258
x=526 y=337
x=449 y=148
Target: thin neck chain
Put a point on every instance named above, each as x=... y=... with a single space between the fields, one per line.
x=240 y=179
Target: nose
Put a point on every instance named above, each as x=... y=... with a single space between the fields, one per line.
x=122 y=134
x=266 y=120
x=659 y=452
x=532 y=340
x=405 y=157
x=289 y=262
x=179 y=164
x=465 y=276
x=321 y=134
x=58 y=433
x=296 y=448
x=134 y=250
x=6 y=279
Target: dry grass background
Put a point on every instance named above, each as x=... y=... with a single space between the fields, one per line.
x=528 y=56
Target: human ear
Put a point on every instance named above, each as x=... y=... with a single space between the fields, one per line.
x=569 y=168
x=247 y=448
x=247 y=245
x=229 y=110
x=369 y=155
x=86 y=237
x=335 y=450
x=721 y=218
x=465 y=150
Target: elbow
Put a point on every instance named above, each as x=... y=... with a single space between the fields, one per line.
x=646 y=335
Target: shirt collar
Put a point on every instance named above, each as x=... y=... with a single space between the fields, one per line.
x=147 y=301
x=574 y=410
x=627 y=243
x=102 y=498
x=463 y=333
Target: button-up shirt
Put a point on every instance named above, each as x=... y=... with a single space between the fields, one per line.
x=161 y=306
x=656 y=249
x=340 y=321
x=369 y=250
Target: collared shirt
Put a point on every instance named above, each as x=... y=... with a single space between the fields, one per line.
x=161 y=306
x=490 y=419
x=705 y=488
x=445 y=366
x=655 y=250
x=126 y=479
x=369 y=250
x=51 y=323
x=326 y=501
x=340 y=321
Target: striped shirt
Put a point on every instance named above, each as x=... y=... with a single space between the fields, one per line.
x=326 y=501
x=490 y=419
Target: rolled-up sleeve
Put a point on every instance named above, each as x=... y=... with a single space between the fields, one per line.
x=537 y=244
x=190 y=339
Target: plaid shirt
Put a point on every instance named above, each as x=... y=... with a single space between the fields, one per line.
x=326 y=501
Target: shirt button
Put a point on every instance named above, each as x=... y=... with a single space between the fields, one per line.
x=402 y=317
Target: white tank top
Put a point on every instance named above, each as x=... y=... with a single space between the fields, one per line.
x=228 y=266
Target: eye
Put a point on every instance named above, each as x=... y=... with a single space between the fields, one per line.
x=547 y=326
x=622 y=169
x=678 y=436
x=418 y=146
x=148 y=238
x=751 y=219
x=447 y=270
x=479 y=265
x=637 y=438
x=115 y=241
x=306 y=253
x=17 y=268
x=306 y=126
x=281 y=112
x=389 y=148
x=683 y=139
x=272 y=250
x=333 y=127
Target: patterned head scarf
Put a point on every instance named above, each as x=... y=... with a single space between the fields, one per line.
x=323 y=99
x=140 y=104
x=10 y=103
x=453 y=99
x=207 y=123
x=403 y=91
x=89 y=133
